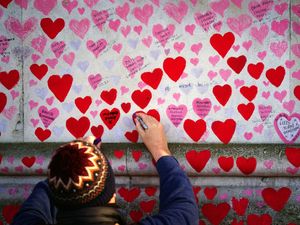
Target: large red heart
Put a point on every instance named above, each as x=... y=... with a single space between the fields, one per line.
x=194 y=129
x=246 y=110
x=52 y=28
x=224 y=130
x=237 y=63
x=174 y=67
x=97 y=131
x=10 y=79
x=226 y=163
x=3 y=101
x=222 y=93
x=255 y=70
x=249 y=92
x=109 y=96
x=293 y=155
x=60 y=86
x=141 y=98
x=110 y=118
x=246 y=165
x=79 y=127
x=152 y=78
x=198 y=160
x=132 y=136
x=297 y=92
x=83 y=104
x=215 y=213
x=39 y=70
x=210 y=192
x=264 y=219
x=129 y=195
x=276 y=199
x=148 y=206
x=240 y=205
x=222 y=44
x=28 y=161
x=5 y=3
x=276 y=76
x=42 y=134
x=9 y=211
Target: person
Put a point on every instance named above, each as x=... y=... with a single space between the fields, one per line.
x=73 y=195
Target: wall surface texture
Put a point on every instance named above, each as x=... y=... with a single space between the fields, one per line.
x=222 y=76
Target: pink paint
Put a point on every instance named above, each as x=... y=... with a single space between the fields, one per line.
x=290 y=63
x=216 y=170
x=4 y=44
x=236 y=47
x=96 y=47
x=260 y=8
x=296 y=74
x=34 y=122
x=190 y=28
x=40 y=160
x=296 y=27
x=176 y=96
x=133 y=65
x=281 y=8
x=125 y=30
x=202 y=107
x=22 y=31
x=178 y=46
x=35 y=57
x=32 y=104
x=194 y=61
x=141 y=85
x=212 y=74
x=122 y=168
x=225 y=74
x=176 y=113
x=279 y=48
x=14 y=94
x=296 y=10
x=220 y=6
x=247 y=44
x=39 y=43
x=11 y=159
x=94 y=113
x=94 y=80
x=143 y=14
x=291 y=170
x=19 y=169
x=238 y=3
x=52 y=62
x=5 y=59
x=259 y=128
x=100 y=18
x=239 y=24
x=296 y=50
x=268 y=164
x=91 y=3
x=280 y=27
x=205 y=20
x=216 y=108
x=69 y=5
x=124 y=90
x=57 y=48
x=45 y=6
x=289 y=106
x=147 y=41
x=238 y=83
x=69 y=58
x=176 y=12
x=260 y=34
x=160 y=101
x=287 y=127
x=280 y=95
x=214 y=59
x=138 y=29
x=262 y=55
x=80 y=28
x=48 y=116
x=114 y=24
x=142 y=166
x=248 y=136
x=32 y=83
x=10 y=112
x=196 y=48
x=117 y=47
x=264 y=111
x=266 y=94
x=122 y=11
x=163 y=34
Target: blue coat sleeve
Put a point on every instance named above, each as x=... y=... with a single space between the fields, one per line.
x=38 y=209
x=177 y=202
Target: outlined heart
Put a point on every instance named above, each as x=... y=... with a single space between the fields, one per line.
x=276 y=199
x=109 y=96
x=110 y=117
x=10 y=79
x=198 y=159
x=39 y=71
x=78 y=128
x=195 y=129
x=222 y=93
x=224 y=130
x=60 y=85
x=152 y=78
x=174 y=67
x=52 y=28
x=141 y=98
x=287 y=127
x=222 y=43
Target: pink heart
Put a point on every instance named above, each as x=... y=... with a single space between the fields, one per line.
x=296 y=75
x=133 y=65
x=81 y=10
x=91 y=3
x=141 y=85
x=48 y=116
x=216 y=170
x=163 y=34
x=291 y=170
x=138 y=29
x=142 y=166
x=33 y=104
x=117 y=47
x=70 y=5
x=94 y=113
x=19 y=168
x=14 y=94
x=178 y=46
x=100 y=18
x=10 y=112
x=50 y=100
x=247 y=44
x=5 y=59
x=160 y=101
x=289 y=106
x=268 y=164
x=22 y=3
x=147 y=41
x=220 y=6
x=259 y=128
x=287 y=127
x=196 y=48
x=266 y=94
x=205 y=20
x=69 y=58
x=239 y=24
x=4 y=170
x=57 y=48
x=35 y=57
x=260 y=9
x=262 y=55
x=236 y=47
x=52 y=62
x=40 y=160
x=14 y=26
x=4 y=44
x=264 y=111
x=190 y=28
x=238 y=3
x=289 y=63
x=11 y=159
x=214 y=59
x=216 y=108
x=260 y=34
x=218 y=25
x=279 y=48
x=143 y=14
x=281 y=8
x=124 y=90
x=201 y=107
x=34 y=122
x=114 y=24
x=121 y=168
x=80 y=28
x=45 y=6
x=176 y=12
x=225 y=74
x=32 y=83
x=176 y=113
x=122 y=11
x=125 y=30
x=39 y=171
x=296 y=27
x=194 y=61
x=280 y=27
x=248 y=136
x=39 y=43
x=238 y=83
x=296 y=9
x=96 y=47
x=94 y=80
x=212 y=74
x=296 y=50
x=176 y=96
x=280 y=95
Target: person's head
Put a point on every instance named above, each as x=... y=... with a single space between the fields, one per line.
x=79 y=175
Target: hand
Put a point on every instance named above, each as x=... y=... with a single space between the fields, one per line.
x=154 y=137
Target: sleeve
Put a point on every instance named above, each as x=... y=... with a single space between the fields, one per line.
x=38 y=209
x=177 y=202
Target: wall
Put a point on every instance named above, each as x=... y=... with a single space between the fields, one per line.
x=221 y=74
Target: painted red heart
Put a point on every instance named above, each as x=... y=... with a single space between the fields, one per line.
x=264 y=219
x=9 y=211
x=249 y=92
x=148 y=206
x=97 y=131
x=215 y=213
x=276 y=76
x=119 y=154
x=78 y=128
x=236 y=222
x=126 y=107
x=136 y=215
x=60 y=85
x=141 y=98
x=5 y=3
x=39 y=71
x=1 y=156
x=195 y=129
x=154 y=113
x=129 y=195
x=224 y=130
x=10 y=79
x=237 y=63
x=246 y=110
x=150 y=191
x=174 y=67
x=152 y=78
x=83 y=104
x=222 y=44
x=210 y=192
x=3 y=101
x=255 y=70
x=293 y=155
x=226 y=163
x=52 y=28
x=110 y=117
x=198 y=160
x=28 y=161
x=297 y=92
x=222 y=93
x=132 y=136
x=109 y=96
x=246 y=165
x=136 y=155
x=240 y=205
x=42 y=134
x=276 y=199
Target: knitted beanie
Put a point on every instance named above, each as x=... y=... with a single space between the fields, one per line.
x=79 y=175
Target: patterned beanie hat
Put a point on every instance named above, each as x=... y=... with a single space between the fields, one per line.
x=79 y=175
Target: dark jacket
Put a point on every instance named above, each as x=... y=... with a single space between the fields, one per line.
x=177 y=203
